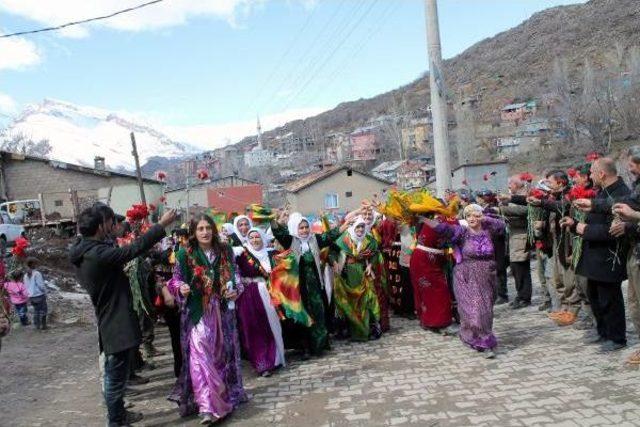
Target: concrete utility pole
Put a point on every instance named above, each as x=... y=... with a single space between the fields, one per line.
x=143 y=199
x=438 y=100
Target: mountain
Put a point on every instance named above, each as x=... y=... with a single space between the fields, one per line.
x=515 y=65
x=77 y=134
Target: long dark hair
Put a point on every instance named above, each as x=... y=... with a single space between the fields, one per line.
x=216 y=245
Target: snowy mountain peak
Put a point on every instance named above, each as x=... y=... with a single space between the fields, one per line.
x=77 y=134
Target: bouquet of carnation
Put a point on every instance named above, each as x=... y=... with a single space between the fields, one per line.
x=578 y=192
x=534 y=214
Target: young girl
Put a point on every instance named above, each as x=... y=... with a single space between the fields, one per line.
x=18 y=295
x=37 y=293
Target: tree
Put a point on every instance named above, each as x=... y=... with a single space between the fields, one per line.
x=21 y=144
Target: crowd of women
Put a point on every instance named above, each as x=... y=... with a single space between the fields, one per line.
x=294 y=284
x=289 y=283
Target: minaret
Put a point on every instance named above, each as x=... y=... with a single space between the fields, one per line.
x=259 y=134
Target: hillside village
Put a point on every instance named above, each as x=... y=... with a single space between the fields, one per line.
x=549 y=102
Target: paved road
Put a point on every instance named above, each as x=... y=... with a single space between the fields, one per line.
x=542 y=375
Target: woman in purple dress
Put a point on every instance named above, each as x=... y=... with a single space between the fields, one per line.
x=259 y=324
x=475 y=275
x=210 y=382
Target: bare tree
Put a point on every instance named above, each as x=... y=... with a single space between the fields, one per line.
x=20 y=143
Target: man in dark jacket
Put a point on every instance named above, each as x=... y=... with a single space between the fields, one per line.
x=603 y=260
x=519 y=256
x=100 y=272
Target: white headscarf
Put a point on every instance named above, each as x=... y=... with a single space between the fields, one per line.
x=262 y=254
x=294 y=222
x=228 y=228
x=352 y=232
x=236 y=221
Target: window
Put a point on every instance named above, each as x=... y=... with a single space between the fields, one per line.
x=57 y=203
x=348 y=194
x=331 y=201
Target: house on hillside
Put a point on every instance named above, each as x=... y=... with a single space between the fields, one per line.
x=388 y=171
x=415 y=174
x=338 y=189
x=228 y=194
x=518 y=112
x=365 y=143
x=416 y=136
x=66 y=189
x=480 y=176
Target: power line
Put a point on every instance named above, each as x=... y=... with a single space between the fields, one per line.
x=328 y=58
x=286 y=52
x=300 y=63
x=84 y=21
x=366 y=40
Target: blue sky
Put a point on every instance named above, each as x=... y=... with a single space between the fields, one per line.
x=200 y=66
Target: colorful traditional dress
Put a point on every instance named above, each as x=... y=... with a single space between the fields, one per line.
x=390 y=247
x=430 y=287
x=475 y=280
x=354 y=289
x=298 y=281
x=382 y=291
x=210 y=381
x=258 y=321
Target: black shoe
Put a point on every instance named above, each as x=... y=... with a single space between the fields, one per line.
x=501 y=300
x=137 y=380
x=545 y=306
x=611 y=346
x=517 y=304
x=594 y=340
x=583 y=325
x=132 y=418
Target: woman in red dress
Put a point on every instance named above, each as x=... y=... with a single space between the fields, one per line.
x=430 y=288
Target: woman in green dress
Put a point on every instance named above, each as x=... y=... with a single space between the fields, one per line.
x=359 y=263
x=303 y=253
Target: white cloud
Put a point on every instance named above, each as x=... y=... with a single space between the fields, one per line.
x=162 y=15
x=17 y=53
x=208 y=137
x=7 y=104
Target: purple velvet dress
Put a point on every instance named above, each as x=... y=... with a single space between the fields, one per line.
x=475 y=280
x=259 y=324
x=210 y=380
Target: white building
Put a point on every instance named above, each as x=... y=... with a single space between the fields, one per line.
x=258 y=156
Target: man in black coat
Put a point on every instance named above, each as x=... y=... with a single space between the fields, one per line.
x=100 y=272
x=603 y=260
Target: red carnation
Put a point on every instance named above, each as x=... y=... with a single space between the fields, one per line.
x=19 y=247
x=161 y=176
x=572 y=172
x=152 y=207
x=593 y=156
x=537 y=194
x=526 y=176
x=539 y=245
x=137 y=212
x=198 y=271
x=163 y=199
x=203 y=174
x=580 y=192
x=485 y=177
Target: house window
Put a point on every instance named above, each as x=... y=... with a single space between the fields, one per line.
x=348 y=194
x=57 y=203
x=331 y=201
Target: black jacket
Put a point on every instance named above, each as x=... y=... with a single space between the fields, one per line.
x=99 y=267
x=599 y=260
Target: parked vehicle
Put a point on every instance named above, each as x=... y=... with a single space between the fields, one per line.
x=9 y=232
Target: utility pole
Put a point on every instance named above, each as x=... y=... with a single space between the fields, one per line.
x=438 y=100
x=143 y=199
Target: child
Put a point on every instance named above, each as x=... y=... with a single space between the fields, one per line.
x=37 y=294
x=18 y=295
